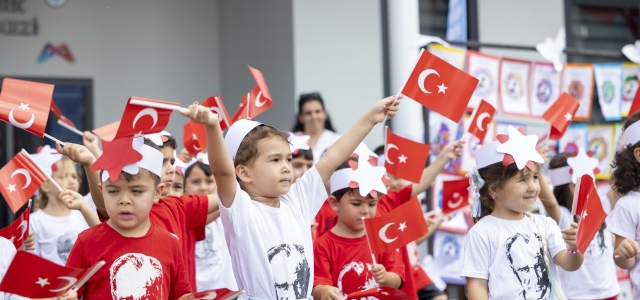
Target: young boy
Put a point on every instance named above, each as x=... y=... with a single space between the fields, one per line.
x=342 y=257
x=266 y=217
x=301 y=155
x=143 y=261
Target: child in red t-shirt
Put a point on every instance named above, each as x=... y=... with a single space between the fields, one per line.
x=342 y=258
x=142 y=260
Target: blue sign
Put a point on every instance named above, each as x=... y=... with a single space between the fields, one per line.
x=457 y=21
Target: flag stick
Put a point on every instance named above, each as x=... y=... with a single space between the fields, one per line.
x=86 y=277
x=54 y=139
x=373 y=257
x=405 y=83
x=67 y=126
x=158 y=105
x=41 y=169
x=248 y=106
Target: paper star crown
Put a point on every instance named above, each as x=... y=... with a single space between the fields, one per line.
x=631 y=135
x=151 y=159
x=581 y=164
x=202 y=157
x=363 y=175
x=298 y=142
x=516 y=147
x=158 y=138
x=236 y=133
x=179 y=165
x=363 y=151
x=47 y=159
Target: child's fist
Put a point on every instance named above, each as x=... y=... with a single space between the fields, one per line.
x=201 y=114
x=453 y=149
x=330 y=293
x=628 y=248
x=71 y=199
x=569 y=236
x=385 y=107
x=77 y=153
x=91 y=141
x=70 y=295
x=379 y=273
x=29 y=243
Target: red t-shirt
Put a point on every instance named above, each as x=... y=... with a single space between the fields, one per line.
x=326 y=219
x=179 y=216
x=346 y=263
x=147 y=267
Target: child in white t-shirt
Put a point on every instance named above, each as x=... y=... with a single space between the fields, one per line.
x=624 y=222
x=266 y=217
x=510 y=253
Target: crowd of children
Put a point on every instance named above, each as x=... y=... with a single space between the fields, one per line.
x=261 y=211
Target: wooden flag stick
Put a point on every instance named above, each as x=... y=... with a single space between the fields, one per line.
x=86 y=277
x=54 y=139
x=41 y=169
x=67 y=126
x=373 y=257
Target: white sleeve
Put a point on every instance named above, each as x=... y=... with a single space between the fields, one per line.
x=309 y=193
x=34 y=226
x=624 y=219
x=554 y=236
x=475 y=262
x=235 y=218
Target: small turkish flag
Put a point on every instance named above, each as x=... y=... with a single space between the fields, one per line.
x=259 y=97
x=481 y=119
x=380 y=293
x=242 y=112
x=219 y=294
x=635 y=105
x=405 y=158
x=398 y=228
x=581 y=194
x=138 y=120
x=454 y=86
x=560 y=114
x=26 y=104
x=455 y=195
x=61 y=117
x=31 y=276
x=190 y=139
x=18 y=231
x=19 y=180
x=216 y=106
x=592 y=215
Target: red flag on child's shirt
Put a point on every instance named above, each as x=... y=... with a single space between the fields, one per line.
x=581 y=194
x=26 y=104
x=61 y=117
x=380 y=293
x=405 y=158
x=398 y=228
x=190 y=139
x=19 y=180
x=592 y=215
x=137 y=120
x=560 y=114
x=219 y=294
x=216 y=106
x=31 y=276
x=482 y=117
x=440 y=86
x=18 y=231
x=455 y=195
x=635 y=105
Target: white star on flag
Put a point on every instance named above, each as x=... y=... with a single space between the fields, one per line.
x=402 y=158
x=568 y=116
x=12 y=239
x=12 y=188
x=522 y=148
x=42 y=281
x=46 y=158
x=442 y=88
x=24 y=106
x=368 y=177
x=403 y=226
x=584 y=213
x=385 y=293
x=194 y=137
x=582 y=164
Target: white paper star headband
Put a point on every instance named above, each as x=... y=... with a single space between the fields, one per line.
x=179 y=166
x=158 y=138
x=581 y=164
x=151 y=160
x=631 y=135
x=508 y=149
x=47 y=159
x=362 y=175
x=363 y=150
x=236 y=134
x=298 y=142
x=202 y=157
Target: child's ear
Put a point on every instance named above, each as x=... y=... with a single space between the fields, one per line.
x=159 y=189
x=242 y=172
x=333 y=202
x=636 y=154
x=100 y=186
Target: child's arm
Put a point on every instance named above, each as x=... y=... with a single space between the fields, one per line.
x=29 y=243
x=451 y=151
x=432 y=225
x=213 y=216
x=548 y=200
x=625 y=252
x=326 y=292
x=568 y=261
x=82 y=155
x=344 y=146
x=477 y=288
x=73 y=200
x=385 y=278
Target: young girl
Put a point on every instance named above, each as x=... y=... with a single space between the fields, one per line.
x=177 y=188
x=624 y=223
x=59 y=218
x=510 y=253
x=213 y=263
x=597 y=277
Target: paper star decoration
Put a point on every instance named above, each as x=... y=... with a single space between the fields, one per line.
x=442 y=88
x=521 y=148
x=368 y=179
x=12 y=188
x=179 y=164
x=46 y=158
x=117 y=155
x=42 y=281
x=402 y=159
x=298 y=142
x=403 y=226
x=582 y=164
x=363 y=150
x=568 y=117
x=158 y=138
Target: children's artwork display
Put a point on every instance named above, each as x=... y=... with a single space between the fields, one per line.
x=514 y=86
x=460 y=221
x=600 y=143
x=574 y=138
x=454 y=56
x=442 y=131
x=630 y=76
x=545 y=87
x=451 y=245
x=471 y=143
x=609 y=85
x=577 y=81
x=486 y=69
x=617 y=133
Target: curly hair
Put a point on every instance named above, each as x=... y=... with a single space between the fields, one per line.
x=495 y=176
x=626 y=168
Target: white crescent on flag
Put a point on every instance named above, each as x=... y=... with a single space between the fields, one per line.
x=152 y=112
x=383 y=234
x=390 y=146
x=480 y=120
x=25 y=125
x=257 y=100
x=423 y=76
x=26 y=175
x=23 y=225
x=71 y=281
x=457 y=203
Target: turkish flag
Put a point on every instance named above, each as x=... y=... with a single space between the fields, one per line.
x=381 y=293
x=455 y=195
x=137 y=120
x=19 y=180
x=216 y=106
x=18 y=231
x=190 y=139
x=219 y=294
x=259 y=97
x=398 y=228
x=481 y=119
x=26 y=104
x=592 y=215
x=440 y=86
x=32 y=276
x=635 y=105
x=560 y=114
x=242 y=112
x=581 y=194
x=61 y=117
x=405 y=158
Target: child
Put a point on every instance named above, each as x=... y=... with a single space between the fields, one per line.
x=625 y=220
x=302 y=155
x=177 y=187
x=213 y=263
x=7 y=252
x=266 y=218
x=506 y=255
x=58 y=219
x=597 y=276
x=342 y=258
x=143 y=261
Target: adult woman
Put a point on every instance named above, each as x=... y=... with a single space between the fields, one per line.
x=313 y=120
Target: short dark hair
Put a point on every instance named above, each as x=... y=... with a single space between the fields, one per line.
x=304 y=98
x=170 y=142
x=306 y=154
x=379 y=150
x=248 y=149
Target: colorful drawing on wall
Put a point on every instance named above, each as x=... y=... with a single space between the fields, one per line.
x=577 y=81
x=486 y=69
x=514 y=87
x=630 y=77
x=574 y=138
x=442 y=131
x=609 y=85
x=600 y=139
x=471 y=143
x=50 y=50
x=545 y=87
x=450 y=244
x=454 y=56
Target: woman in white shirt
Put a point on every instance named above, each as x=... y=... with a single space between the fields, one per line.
x=313 y=120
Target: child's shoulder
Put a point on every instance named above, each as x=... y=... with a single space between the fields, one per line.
x=630 y=200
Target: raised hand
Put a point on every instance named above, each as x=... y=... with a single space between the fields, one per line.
x=201 y=114
x=453 y=149
x=71 y=199
x=385 y=107
x=92 y=142
x=77 y=153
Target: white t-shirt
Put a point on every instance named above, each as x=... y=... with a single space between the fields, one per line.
x=326 y=139
x=213 y=263
x=508 y=254
x=7 y=252
x=55 y=236
x=625 y=222
x=271 y=248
